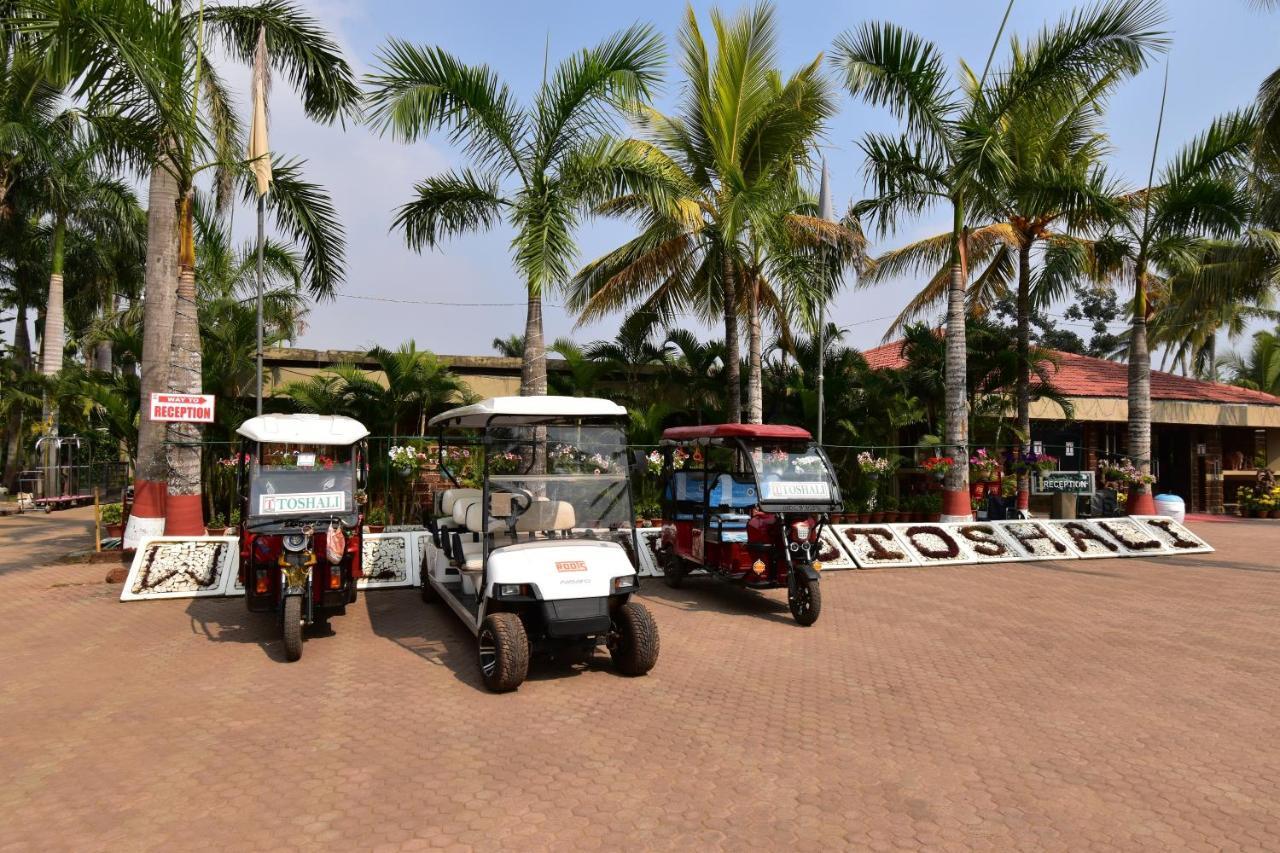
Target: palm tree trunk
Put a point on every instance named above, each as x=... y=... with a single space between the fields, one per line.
x=102 y=349
x=1024 y=366
x=22 y=338
x=732 y=356
x=53 y=344
x=54 y=318
x=184 y=510
x=955 y=499
x=1140 y=501
x=161 y=284
x=22 y=355
x=755 y=385
x=533 y=368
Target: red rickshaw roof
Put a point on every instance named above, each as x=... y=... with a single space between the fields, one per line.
x=780 y=432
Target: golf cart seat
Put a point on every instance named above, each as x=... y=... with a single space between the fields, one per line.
x=545 y=515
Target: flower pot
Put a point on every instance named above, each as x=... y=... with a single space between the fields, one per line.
x=1275 y=513
x=216 y=531
x=890 y=516
x=935 y=517
x=875 y=517
x=864 y=517
x=374 y=528
x=115 y=531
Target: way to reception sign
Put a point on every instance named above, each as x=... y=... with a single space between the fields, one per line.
x=188 y=408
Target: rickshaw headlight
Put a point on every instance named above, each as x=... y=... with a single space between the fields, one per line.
x=295 y=542
x=801 y=531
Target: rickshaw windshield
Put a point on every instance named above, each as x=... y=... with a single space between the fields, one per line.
x=795 y=472
x=569 y=479
x=303 y=482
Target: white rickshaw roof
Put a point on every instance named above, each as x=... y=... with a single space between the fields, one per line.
x=531 y=409
x=304 y=429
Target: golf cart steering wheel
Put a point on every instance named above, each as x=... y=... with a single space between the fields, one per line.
x=521 y=500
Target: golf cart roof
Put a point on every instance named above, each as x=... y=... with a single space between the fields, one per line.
x=529 y=410
x=303 y=429
x=776 y=432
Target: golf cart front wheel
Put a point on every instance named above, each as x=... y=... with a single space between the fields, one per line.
x=633 y=639
x=805 y=601
x=292 y=627
x=504 y=652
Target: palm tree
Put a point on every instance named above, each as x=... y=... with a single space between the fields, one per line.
x=1260 y=368
x=536 y=168
x=147 y=78
x=949 y=149
x=725 y=168
x=1199 y=194
x=512 y=346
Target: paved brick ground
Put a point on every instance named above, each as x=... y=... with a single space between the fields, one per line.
x=1108 y=704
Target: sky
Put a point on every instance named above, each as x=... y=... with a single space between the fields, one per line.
x=1220 y=52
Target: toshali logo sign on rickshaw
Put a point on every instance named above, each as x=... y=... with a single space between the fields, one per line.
x=301 y=502
x=786 y=490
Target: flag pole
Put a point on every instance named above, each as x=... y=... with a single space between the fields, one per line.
x=262 y=206
x=824 y=212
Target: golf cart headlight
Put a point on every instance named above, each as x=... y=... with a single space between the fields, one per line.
x=510 y=590
x=624 y=583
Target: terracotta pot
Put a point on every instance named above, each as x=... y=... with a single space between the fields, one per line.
x=890 y=516
x=935 y=517
x=864 y=517
x=374 y=528
x=875 y=517
x=114 y=531
x=1275 y=513
x=216 y=531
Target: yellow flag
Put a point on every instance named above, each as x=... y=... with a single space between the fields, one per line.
x=259 y=151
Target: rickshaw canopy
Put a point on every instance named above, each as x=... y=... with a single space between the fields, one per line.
x=528 y=410
x=762 y=432
x=304 y=429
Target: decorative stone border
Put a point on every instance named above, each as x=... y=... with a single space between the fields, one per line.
x=389 y=560
x=182 y=567
x=1176 y=536
x=648 y=540
x=875 y=545
x=832 y=554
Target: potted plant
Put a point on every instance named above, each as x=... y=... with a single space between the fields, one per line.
x=217 y=525
x=376 y=520
x=938 y=466
x=112 y=516
x=890 y=509
x=933 y=507
x=873 y=467
x=983 y=466
x=234 y=522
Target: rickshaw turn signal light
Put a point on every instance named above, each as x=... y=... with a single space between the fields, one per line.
x=335 y=577
x=260 y=583
x=817 y=565
x=758 y=567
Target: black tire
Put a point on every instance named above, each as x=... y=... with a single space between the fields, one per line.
x=292 y=618
x=633 y=641
x=674 y=570
x=504 y=652
x=805 y=602
x=429 y=594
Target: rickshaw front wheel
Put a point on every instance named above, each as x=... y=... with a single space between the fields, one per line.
x=292 y=627
x=805 y=602
x=673 y=570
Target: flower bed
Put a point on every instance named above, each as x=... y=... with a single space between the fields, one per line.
x=872 y=545
x=1035 y=540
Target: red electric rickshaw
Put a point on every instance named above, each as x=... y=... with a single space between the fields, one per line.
x=300 y=530
x=746 y=503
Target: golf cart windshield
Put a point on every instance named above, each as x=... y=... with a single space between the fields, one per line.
x=562 y=480
x=302 y=482
x=793 y=473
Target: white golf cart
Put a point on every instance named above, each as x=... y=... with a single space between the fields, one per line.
x=536 y=558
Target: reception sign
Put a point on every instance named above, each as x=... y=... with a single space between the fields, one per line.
x=1063 y=483
x=187 y=408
